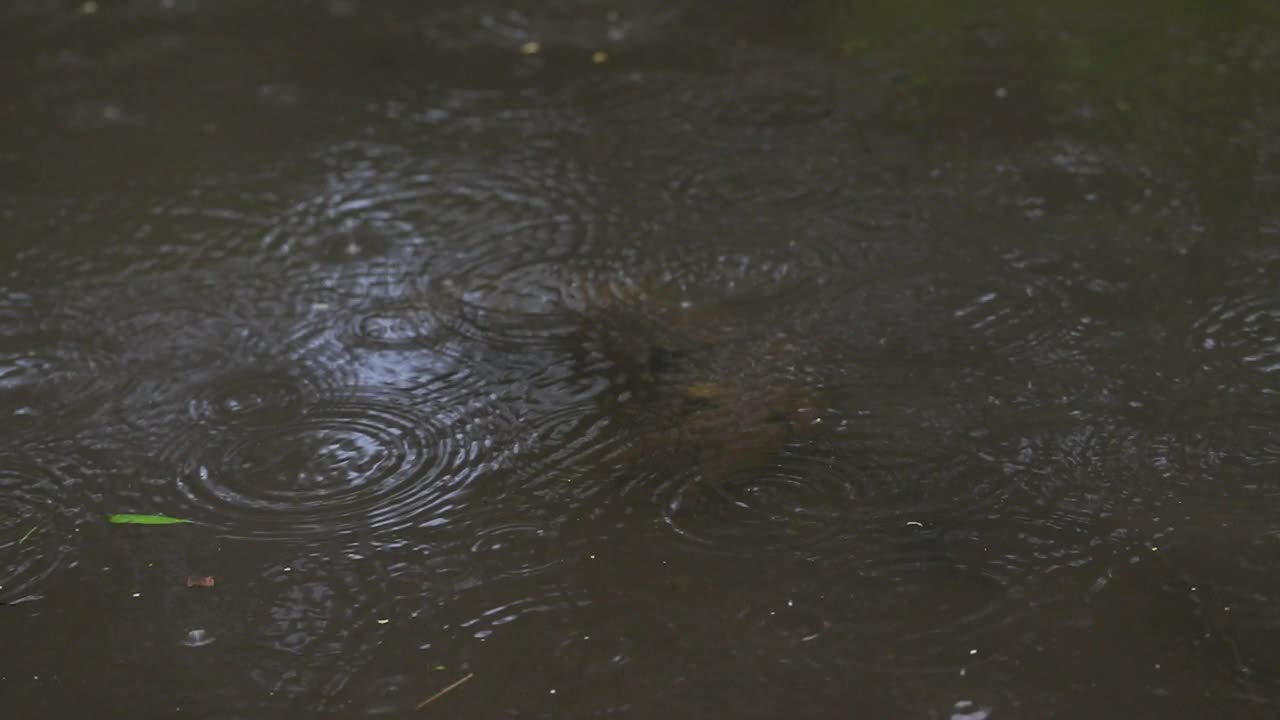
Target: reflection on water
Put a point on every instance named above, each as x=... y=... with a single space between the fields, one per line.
x=640 y=359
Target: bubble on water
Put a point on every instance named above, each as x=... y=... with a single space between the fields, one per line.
x=197 y=637
x=968 y=710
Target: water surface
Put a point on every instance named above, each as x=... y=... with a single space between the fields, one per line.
x=640 y=359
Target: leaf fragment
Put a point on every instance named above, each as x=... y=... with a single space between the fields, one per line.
x=133 y=519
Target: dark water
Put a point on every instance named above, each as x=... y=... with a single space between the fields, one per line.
x=787 y=359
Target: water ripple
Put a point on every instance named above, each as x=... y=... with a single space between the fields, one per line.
x=1223 y=375
x=773 y=462
x=54 y=365
x=787 y=503
x=518 y=548
x=720 y=467
x=1014 y=309
x=249 y=398
x=525 y=206
x=1244 y=330
x=382 y=205
x=1019 y=312
x=928 y=613
x=902 y=611
x=355 y=215
x=42 y=505
x=942 y=563
x=403 y=324
x=553 y=598
x=317 y=623
x=203 y=361
x=362 y=461
x=419 y=341
x=512 y=24
x=535 y=305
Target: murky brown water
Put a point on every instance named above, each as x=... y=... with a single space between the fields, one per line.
x=788 y=359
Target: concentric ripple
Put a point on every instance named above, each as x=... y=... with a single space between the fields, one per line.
x=518 y=548
x=727 y=278
x=249 y=398
x=1219 y=390
x=368 y=462
x=213 y=396
x=730 y=469
x=1015 y=309
x=41 y=509
x=54 y=366
x=1244 y=329
x=403 y=325
x=545 y=598
x=209 y=350
x=788 y=503
x=379 y=206
x=426 y=331
x=939 y=594
x=762 y=465
x=929 y=613
x=162 y=331
x=353 y=210
x=316 y=621
x=512 y=23
x=535 y=305
x=415 y=342
x=1020 y=317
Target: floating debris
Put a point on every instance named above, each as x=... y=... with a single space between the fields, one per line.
x=132 y=519
x=448 y=688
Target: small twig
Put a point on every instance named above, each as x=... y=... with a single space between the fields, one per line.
x=440 y=694
x=24 y=537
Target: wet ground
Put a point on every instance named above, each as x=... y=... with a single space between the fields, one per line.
x=640 y=359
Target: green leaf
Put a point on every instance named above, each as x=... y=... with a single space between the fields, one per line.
x=129 y=519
